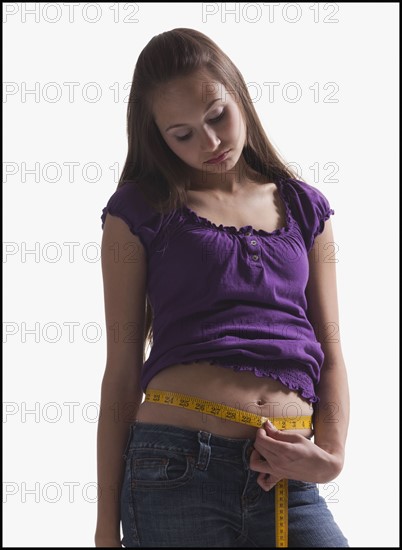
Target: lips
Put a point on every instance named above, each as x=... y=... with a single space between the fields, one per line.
x=219 y=157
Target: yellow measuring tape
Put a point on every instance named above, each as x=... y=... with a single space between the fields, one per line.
x=243 y=417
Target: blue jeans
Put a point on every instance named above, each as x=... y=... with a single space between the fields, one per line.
x=192 y=488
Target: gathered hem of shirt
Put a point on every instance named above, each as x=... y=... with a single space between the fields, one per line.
x=326 y=217
x=287 y=377
x=205 y=222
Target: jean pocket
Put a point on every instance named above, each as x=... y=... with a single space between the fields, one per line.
x=160 y=468
x=298 y=485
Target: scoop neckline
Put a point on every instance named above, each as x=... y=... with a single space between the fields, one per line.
x=201 y=220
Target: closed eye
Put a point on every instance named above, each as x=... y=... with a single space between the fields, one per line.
x=183 y=138
x=213 y=120
x=218 y=117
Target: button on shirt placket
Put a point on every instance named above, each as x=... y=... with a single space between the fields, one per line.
x=254 y=249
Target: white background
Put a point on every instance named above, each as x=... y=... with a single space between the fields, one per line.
x=50 y=460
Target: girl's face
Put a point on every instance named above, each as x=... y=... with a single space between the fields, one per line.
x=199 y=120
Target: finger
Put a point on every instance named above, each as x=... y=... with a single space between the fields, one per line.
x=275 y=440
x=267 y=482
x=269 y=447
x=291 y=436
x=258 y=463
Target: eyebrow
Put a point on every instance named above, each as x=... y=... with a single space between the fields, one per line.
x=183 y=124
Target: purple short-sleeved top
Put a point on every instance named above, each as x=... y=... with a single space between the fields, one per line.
x=231 y=296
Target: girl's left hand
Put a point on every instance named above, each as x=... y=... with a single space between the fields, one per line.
x=282 y=454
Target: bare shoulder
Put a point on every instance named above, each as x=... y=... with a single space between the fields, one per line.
x=123 y=259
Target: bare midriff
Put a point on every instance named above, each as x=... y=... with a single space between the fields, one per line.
x=243 y=390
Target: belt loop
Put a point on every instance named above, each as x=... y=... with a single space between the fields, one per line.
x=205 y=450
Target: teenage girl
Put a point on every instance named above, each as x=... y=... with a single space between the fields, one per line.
x=215 y=247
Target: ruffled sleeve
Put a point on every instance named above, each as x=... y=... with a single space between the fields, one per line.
x=309 y=207
x=128 y=203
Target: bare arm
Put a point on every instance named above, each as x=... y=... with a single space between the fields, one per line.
x=124 y=281
x=331 y=415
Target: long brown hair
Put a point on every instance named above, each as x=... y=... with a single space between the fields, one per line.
x=162 y=177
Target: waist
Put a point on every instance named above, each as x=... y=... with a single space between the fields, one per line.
x=243 y=391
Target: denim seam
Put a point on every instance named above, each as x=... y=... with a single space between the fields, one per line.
x=204 y=454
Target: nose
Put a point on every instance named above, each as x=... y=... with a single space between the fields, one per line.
x=209 y=140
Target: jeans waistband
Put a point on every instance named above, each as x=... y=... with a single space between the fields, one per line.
x=202 y=443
